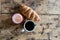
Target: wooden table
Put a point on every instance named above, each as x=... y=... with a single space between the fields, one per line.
x=47 y=29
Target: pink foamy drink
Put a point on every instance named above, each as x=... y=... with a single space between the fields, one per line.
x=17 y=18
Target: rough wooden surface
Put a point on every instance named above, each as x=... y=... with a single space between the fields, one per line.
x=47 y=29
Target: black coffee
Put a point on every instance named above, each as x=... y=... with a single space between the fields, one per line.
x=29 y=25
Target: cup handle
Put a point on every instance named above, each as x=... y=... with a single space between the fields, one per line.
x=22 y=30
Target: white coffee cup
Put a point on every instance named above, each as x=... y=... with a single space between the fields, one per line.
x=29 y=26
x=17 y=18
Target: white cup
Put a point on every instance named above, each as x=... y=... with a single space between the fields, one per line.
x=29 y=26
x=17 y=18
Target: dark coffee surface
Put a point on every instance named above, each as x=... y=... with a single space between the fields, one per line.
x=29 y=26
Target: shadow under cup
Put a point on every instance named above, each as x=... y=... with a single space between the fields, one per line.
x=29 y=26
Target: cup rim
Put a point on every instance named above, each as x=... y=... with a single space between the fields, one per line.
x=26 y=29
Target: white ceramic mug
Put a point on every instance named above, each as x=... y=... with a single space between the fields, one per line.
x=29 y=26
x=17 y=18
